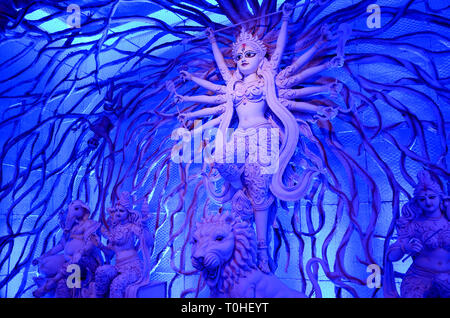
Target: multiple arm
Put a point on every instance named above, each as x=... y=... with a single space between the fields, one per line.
x=281 y=41
x=323 y=112
x=305 y=57
x=288 y=82
x=203 y=112
x=223 y=68
x=205 y=99
x=218 y=89
x=332 y=89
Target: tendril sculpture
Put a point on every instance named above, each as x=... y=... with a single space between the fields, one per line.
x=87 y=114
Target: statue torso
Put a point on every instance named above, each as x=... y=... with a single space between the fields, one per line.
x=249 y=100
x=434 y=234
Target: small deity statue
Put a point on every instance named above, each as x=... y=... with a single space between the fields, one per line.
x=262 y=99
x=126 y=235
x=424 y=234
x=75 y=247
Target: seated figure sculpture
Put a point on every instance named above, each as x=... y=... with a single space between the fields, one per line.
x=225 y=251
x=75 y=247
x=126 y=235
x=424 y=234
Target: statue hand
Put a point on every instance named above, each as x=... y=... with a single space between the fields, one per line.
x=210 y=35
x=182 y=118
x=413 y=246
x=337 y=61
x=334 y=89
x=325 y=34
x=185 y=75
x=287 y=10
x=326 y=112
x=178 y=98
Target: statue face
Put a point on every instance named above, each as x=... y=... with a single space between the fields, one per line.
x=213 y=246
x=247 y=59
x=75 y=212
x=428 y=201
x=120 y=213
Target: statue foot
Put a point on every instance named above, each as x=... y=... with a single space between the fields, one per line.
x=263 y=265
x=264 y=261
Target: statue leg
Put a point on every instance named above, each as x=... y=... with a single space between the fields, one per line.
x=121 y=282
x=129 y=274
x=103 y=278
x=257 y=189
x=416 y=283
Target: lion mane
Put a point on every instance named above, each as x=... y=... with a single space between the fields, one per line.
x=244 y=257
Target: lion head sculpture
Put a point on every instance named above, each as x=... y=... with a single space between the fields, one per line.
x=224 y=249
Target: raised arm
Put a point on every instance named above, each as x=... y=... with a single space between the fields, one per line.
x=223 y=68
x=218 y=89
x=281 y=41
x=332 y=89
x=323 y=112
x=204 y=99
x=296 y=79
x=305 y=57
x=202 y=113
x=209 y=124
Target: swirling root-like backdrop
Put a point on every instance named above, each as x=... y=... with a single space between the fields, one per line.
x=86 y=114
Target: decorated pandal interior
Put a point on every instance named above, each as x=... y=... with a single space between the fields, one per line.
x=224 y=149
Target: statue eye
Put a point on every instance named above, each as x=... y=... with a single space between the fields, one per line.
x=194 y=241
x=238 y=57
x=250 y=54
x=219 y=238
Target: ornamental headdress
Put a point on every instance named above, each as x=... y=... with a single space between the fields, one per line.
x=126 y=200
x=426 y=182
x=246 y=38
x=80 y=203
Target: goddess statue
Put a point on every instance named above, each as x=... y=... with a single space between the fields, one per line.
x=424 y=234
x=259 y=99
x=75 y=247
x=126 y=234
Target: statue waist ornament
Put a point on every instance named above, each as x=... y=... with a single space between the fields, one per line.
x=131 y=263
x=248 y=92
x=421 y=282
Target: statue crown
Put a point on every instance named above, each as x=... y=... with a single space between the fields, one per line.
x=426 y=182
x=248 y=38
